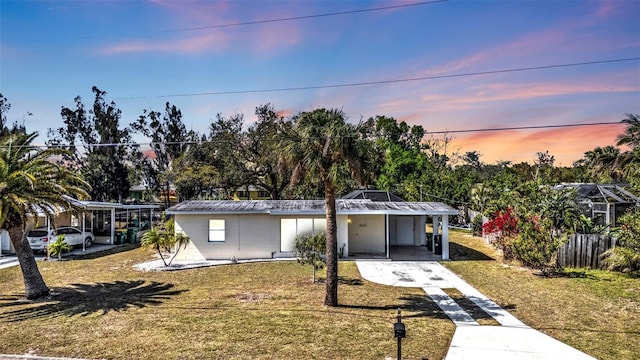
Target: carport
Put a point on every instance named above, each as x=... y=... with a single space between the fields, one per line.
x=390 y=226
x=100 y=217
x=382 y=227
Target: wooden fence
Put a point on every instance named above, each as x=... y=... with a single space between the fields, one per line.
x=584 y=250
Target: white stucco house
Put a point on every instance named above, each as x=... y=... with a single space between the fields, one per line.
x=253 y=229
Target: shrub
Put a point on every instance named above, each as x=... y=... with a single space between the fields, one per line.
x=57 y=247
x=536 y=245
x=625 y=256
x=476 y=225
x=622 y=259
x=310 y=249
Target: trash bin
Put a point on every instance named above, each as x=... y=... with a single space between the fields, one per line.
x=131 y=233
x=437 y=244
x=429 y=241
x=120 y=237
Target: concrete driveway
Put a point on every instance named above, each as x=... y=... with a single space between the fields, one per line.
x=511 y=340
x=11 y=260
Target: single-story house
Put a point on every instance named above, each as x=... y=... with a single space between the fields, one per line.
x=251 y=229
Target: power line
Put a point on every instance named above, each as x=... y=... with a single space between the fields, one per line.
x=266 y=21
x=131 y=144
x=303 y=17
x=389 y=81
x=522 y=127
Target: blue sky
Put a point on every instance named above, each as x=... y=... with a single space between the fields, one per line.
x=142 y=51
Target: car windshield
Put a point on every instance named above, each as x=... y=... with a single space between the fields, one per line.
x=37 y=233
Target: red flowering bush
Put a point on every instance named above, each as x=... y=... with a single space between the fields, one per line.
x=500 y=230
x=504 y=223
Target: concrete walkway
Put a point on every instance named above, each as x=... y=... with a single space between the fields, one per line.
x=511 y=340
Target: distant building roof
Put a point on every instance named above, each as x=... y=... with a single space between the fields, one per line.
x=606 y=193
x=373 y=195
x=310 y=207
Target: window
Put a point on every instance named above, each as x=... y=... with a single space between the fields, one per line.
x=216 y=230
x=290 y=228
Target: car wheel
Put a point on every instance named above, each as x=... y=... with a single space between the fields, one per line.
x=88 y=242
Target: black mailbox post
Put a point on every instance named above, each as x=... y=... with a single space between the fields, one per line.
x=399 y=332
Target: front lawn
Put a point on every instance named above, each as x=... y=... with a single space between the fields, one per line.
x=102 y=308
x=597 y=312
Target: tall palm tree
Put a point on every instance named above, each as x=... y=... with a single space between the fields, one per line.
x=30 y=184
x=324 y=148
x=605 y=164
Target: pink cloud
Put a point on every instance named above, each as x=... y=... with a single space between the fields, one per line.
x=211 y=42
x=532 y=91
x=518 y=146
x=193 y=22
x=196 y=13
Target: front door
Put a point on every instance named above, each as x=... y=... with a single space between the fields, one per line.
x=405 y=230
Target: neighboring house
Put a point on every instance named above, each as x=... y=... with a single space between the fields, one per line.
x=251 y=193
x=251 y=229
x=603 y=203
x=106 y=221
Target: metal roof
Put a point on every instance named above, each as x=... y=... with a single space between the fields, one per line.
x=606 y=193
x=373 y=195
x=310 y=207
x=101 y=205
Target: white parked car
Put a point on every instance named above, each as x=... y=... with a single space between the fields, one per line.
x=39 y=238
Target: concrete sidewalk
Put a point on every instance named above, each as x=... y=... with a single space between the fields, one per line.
x=511 y=340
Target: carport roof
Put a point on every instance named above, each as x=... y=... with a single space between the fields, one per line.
x=309 y=207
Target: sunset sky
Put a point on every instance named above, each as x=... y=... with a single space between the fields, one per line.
x=145 y=53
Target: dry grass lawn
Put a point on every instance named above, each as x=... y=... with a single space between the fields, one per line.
x=102 y=308
x=597 y=312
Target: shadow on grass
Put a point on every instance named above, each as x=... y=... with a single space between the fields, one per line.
x=342 y=280
x=412 y=306
x=460 y=252
x=88 y=299
x=99 y=254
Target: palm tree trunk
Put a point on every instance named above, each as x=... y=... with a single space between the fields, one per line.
x=331 y=297
x=34 y=285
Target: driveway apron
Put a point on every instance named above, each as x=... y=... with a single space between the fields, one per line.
x=511 y=340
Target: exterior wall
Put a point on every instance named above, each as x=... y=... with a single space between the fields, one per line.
x=367 y=234
x=343 y=234
x=420 y=230
x=255 y=236
x=248 y=236
x=393 y=234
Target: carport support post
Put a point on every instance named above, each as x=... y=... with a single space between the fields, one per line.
x=83 y=246
x=386 y=226
x=113 y=226
x=445 y=237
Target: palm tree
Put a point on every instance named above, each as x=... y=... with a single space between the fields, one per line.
x=631 y=136
x=605 y=164
x=326 y=149
x=30 y=183
x=165 y=239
